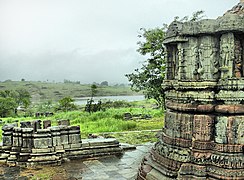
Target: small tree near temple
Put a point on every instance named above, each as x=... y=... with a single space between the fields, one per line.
x=150 y=77
x=66 y=104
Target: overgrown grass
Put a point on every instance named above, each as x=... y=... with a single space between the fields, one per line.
x=110 y=120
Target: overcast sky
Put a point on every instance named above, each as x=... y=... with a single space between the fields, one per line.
x=84 y=40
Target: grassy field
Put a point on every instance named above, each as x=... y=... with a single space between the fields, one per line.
x=43 y=91
x=111 y=120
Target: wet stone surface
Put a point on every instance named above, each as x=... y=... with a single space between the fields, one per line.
x=124 y=167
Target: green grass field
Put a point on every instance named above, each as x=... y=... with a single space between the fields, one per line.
x=110 y=120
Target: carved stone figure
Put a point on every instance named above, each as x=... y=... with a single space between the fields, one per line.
x=238 y=59
x=196 y=55
x=225 y=53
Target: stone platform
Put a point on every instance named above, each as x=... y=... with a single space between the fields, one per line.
x=30 y=145
x=121 y=167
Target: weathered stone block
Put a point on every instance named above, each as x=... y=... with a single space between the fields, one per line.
x=64 y=134
x=74 y=135
x=42 y=139
x=203 y=127
x=46 y=124
x=25 y=124
x=36 y=125
x=56 y=135
x=65 y=122
x=27 y=140
x=17 y=137
x=7 y=134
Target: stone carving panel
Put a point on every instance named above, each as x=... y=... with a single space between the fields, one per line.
x=227 y=46
x=181 y=69
x=178 y=125
x=203 y=127
x=230 y=130
x=192 y=56
x=208 y=58
x=238 y=62
x=220 y=128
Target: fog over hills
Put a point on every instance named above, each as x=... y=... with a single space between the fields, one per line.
x=81 y=40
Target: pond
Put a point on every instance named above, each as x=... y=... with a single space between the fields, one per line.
x=83 y=100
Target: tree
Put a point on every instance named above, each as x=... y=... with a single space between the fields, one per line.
x=66 y=104
x=45 y=106
x=10 y=100
x=23 y=98
x=7 y=106
x=93 y=90
x=150 y=77
x=104 y=83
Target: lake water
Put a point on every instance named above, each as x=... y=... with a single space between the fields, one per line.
x=83 y=100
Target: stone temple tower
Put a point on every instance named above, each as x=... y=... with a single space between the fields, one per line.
x=203 y=133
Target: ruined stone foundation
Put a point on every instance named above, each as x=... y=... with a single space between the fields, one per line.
x=203 y=134
x=30 y=144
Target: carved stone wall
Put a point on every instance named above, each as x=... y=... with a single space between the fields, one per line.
x=203 y=133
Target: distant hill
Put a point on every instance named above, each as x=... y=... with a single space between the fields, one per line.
x=43 y=91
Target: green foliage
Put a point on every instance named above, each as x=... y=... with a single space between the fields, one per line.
x=10 y=100
x=71 y=82
x=136 y=137
x=196 y=16
x=110 y=120
x=115 y=104
x=23 y=98
x=104 y=83
x=93 y=107
x=7 y=106
x=93 y=90
x=66 y=104
x=46 y=106
x=150 y=77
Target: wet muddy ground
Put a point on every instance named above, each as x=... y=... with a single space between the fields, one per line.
x=122 y=167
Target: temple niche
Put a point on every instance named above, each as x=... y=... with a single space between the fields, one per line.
x=173 y=63
x=203 y=133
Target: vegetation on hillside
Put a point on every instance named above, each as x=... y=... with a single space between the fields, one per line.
x=47 y=91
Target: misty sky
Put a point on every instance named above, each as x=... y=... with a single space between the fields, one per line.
x=84 y=40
